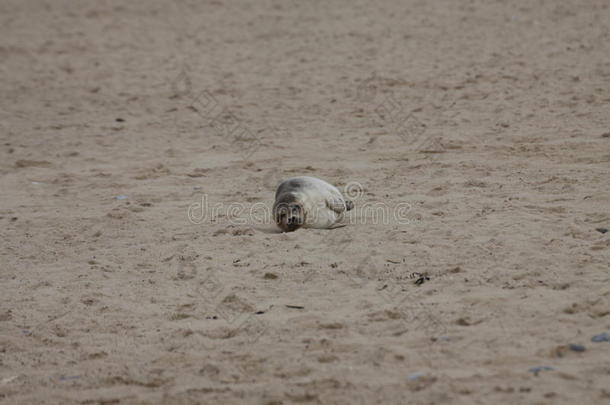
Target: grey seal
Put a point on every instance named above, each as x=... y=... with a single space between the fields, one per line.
x=308 y=202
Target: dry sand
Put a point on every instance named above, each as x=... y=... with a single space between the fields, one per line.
x=490 y=119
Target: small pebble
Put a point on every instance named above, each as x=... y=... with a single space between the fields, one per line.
x=577 y=348
x=601 y=230
x=602 y=337
x=538 y=369
x=121 y=197
x=270 y=276
x=8 y=379
x=417 y=375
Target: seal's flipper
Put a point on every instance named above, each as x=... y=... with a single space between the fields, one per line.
x=337 y=205
x=349 y=205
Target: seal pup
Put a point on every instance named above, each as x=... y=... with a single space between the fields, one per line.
x=308 y=202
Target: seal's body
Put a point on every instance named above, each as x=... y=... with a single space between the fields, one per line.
x=308 y=202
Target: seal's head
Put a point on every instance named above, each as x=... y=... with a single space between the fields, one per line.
x=288 y=212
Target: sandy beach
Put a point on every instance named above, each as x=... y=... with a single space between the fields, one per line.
x=141 y=145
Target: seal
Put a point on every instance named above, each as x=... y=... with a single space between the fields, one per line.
x=308 y=202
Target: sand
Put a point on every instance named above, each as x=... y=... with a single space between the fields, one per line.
x=141 y=142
